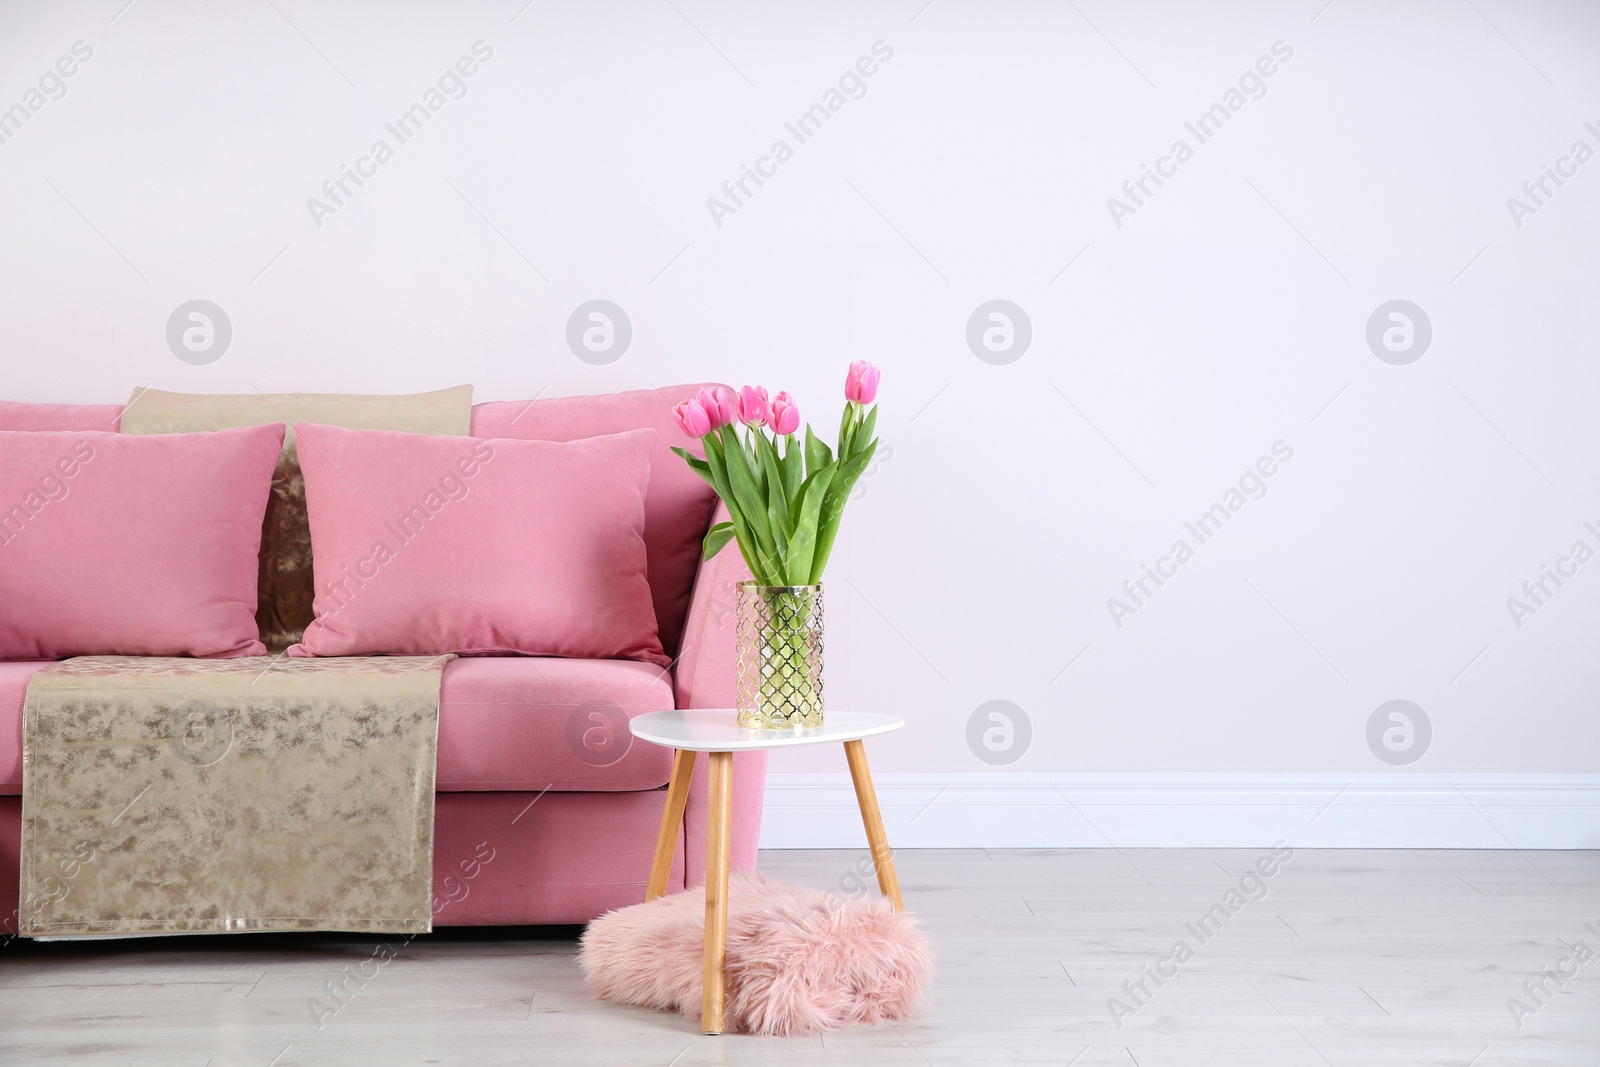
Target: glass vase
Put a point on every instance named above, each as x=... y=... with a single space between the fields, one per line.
x=779 y=676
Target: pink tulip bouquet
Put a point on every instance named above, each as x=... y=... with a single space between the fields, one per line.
x=785 y=497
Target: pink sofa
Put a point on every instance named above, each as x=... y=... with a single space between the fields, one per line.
x=569 y=839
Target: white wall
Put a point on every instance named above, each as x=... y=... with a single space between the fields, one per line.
x=1226 y=314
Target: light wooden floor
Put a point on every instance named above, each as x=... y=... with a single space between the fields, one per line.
x=1351 y=959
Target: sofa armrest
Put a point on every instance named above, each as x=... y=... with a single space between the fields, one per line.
x=703 y=677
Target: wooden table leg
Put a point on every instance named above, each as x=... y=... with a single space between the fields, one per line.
x=867 y=798
x=671 y=823
x=718 y=835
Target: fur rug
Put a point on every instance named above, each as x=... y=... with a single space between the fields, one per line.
x=797 y=962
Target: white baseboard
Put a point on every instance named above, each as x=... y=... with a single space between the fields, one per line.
x=999 y=810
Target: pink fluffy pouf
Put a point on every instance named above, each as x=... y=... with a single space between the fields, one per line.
x=797 y=961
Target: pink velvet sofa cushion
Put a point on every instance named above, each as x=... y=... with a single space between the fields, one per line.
x=119 y=545
x=14 y=675
x=19 y=416
x=427 y=544
x=678 y=504
x=506 y=723
x=535 y=723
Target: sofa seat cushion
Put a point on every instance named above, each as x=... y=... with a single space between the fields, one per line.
x=535 y=722
x=507 y=723
x=14 y=675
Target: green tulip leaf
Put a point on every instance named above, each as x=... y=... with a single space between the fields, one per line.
x=794 y=470
x=734 y=451
x=752 y=505
x=719 y=472
x=777 y=501
x=717 y=538
x=748 y=547
x=803 y=544
x=698 y=465
x=832 y=511
x=817 y=454
x=867 y=426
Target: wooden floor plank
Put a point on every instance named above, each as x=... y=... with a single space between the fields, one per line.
x=1346 y=958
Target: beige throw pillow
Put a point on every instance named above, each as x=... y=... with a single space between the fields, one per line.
x=285 y=591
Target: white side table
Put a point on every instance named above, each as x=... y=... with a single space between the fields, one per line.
x=713 y=730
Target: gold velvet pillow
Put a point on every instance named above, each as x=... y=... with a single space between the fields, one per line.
x=285 y=590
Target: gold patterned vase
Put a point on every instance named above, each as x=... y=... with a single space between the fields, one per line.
x=779 y=634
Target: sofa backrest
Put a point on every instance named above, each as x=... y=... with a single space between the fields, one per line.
x=104 y=417
x=678 y=504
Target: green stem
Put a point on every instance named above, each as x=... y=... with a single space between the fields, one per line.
x=787 y=691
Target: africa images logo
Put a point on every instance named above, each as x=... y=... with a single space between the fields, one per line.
x=1251 y=485
x=52 y=85
x=451 y=85
x=1538 y=191
x=804 y=127
x=1251 y=85
x=50 y=487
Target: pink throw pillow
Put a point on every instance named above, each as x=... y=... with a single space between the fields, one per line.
x=425 y=544
x=132 y=546
x=677 y=506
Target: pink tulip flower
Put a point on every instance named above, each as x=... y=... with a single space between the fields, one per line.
x=785 y=415
x=693 y=418
x=717 y=403
x=754 y=409
x=861 y=384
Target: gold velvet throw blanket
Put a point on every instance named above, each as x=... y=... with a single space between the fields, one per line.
x=165 y=796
